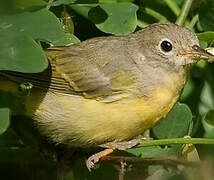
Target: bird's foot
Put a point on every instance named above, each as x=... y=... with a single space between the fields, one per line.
x=110 y=147
x=96 y=157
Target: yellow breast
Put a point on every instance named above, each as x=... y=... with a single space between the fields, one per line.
x=78 y=121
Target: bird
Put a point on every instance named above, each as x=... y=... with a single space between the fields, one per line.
x=105 y=91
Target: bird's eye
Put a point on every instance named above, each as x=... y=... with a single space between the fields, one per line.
x=166 y=46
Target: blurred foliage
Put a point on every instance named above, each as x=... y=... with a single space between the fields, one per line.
x=5 y=119
x=27 y=26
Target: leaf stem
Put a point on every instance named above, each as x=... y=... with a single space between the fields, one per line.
x=184 y=12
x=49 y=4
x=173 y=6
x=193 y=22
x=155 y=14
x=177 y=141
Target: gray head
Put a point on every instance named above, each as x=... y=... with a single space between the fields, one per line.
x=170 y=43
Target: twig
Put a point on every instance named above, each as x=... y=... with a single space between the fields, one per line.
x=176 y=141
x=122 y=170
x=168 y=161
x=184 y=12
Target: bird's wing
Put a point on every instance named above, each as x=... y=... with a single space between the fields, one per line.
x=73 y=64
x=72 y=72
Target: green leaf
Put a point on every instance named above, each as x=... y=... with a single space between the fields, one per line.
x=45 y=26
x=155 y=151
x=176 y=124
x=206 y=15
x=82 y=9
x=6 y=6
x=188 y=89
x=60 y=2
x=67 y=2
x=207 y=36
x=203 y=44
x=4 y=119
x=115 y=18
x=19 y=52
x=68 y=39
x=158 y=7
x=15 y=103
x=114 y=1
x=208 y=124
x=24 y=4
x=206 y=99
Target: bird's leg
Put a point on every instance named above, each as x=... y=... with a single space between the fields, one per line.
x=110 y=147
x=96 y=157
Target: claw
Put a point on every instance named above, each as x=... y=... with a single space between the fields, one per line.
x=90 y=162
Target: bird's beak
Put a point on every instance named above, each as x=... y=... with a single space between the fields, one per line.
x=197 y=53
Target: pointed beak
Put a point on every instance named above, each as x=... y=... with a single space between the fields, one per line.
x=198 y=53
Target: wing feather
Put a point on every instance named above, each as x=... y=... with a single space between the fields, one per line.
x=81 y=70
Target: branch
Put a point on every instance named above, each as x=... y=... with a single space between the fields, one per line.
x=167 y=161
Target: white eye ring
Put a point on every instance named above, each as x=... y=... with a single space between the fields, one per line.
x=165 y=46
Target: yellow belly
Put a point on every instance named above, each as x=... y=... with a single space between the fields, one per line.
x=78 y=121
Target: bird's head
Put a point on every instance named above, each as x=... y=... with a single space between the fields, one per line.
x=167 y=42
